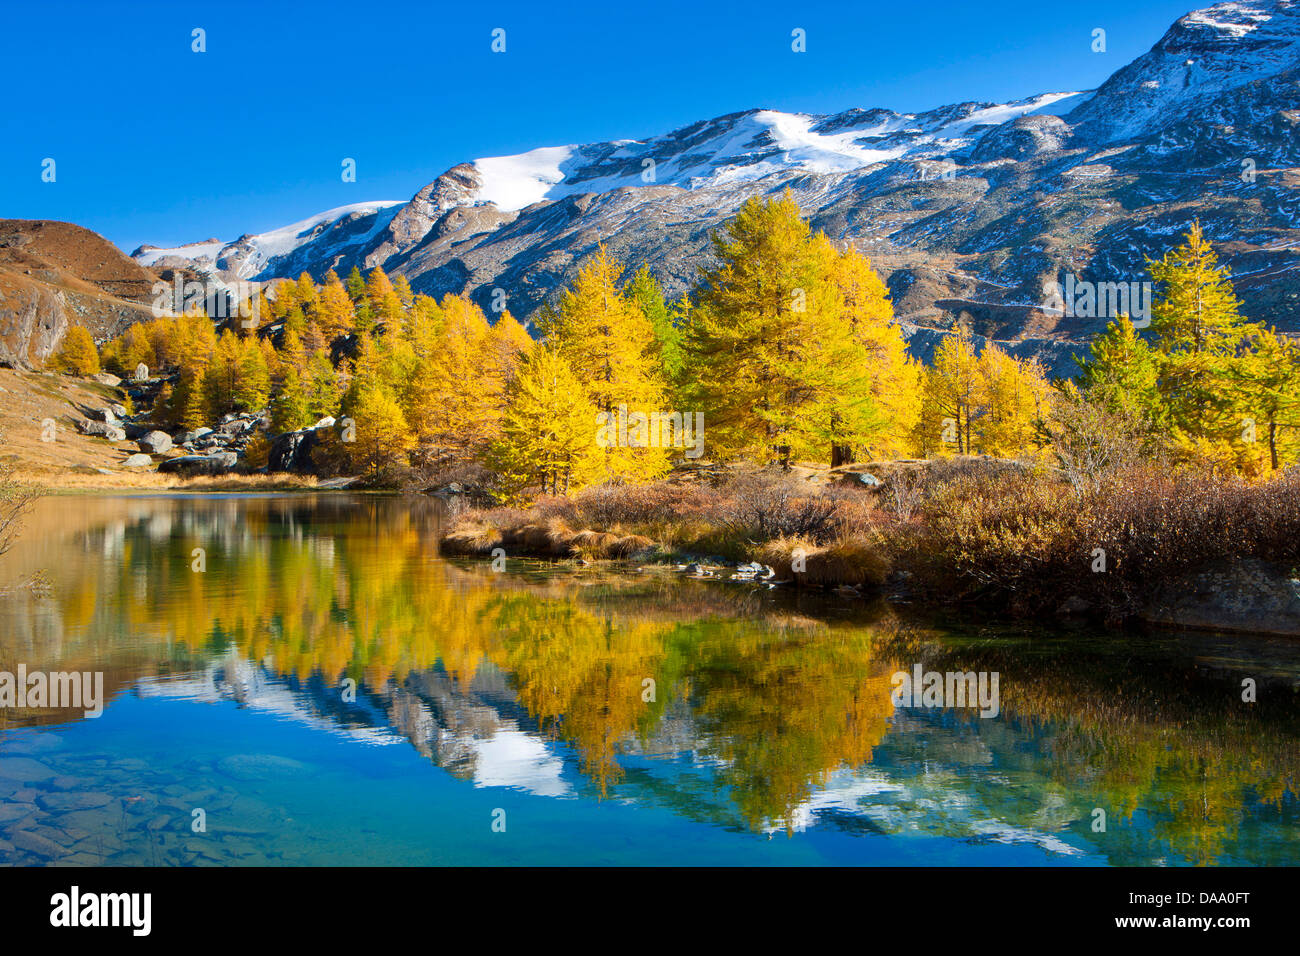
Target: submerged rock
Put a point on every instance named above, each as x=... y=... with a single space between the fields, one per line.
x=24 y=769
x=60 y=802
x=37 y=842
x=260 y=766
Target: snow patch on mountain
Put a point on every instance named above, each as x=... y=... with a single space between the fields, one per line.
x=1234 y=19
x=743 y=148
x=282 y=241
x=513 y=182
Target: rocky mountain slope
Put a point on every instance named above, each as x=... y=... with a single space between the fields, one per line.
x=53 y=274
x=972 y=210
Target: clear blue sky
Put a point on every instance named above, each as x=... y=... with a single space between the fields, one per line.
x=155 y=143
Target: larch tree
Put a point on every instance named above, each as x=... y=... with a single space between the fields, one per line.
x=335 y=314
x=1014 y=398
x=1268 y=380
x=253 y=385
x=382 y=438
x=606 y=340
x=222 y=376
x=506 y=344
x=356 y=284
x=307 y=295
x=873 y=342
x=1121 y=371
x=322 y=386
x=645 y=290
x=746 y=335
x=1199 y=336
x=951 y=395
x=791 y=346
x=450 y=402
x=547 y=432
x=385 y=303
x=77 y=354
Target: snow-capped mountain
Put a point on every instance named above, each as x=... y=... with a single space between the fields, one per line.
x=973 y=210
x=743 y=147
x=334 y=230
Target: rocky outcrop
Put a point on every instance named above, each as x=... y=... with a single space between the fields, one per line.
x=292 y=452
x=1023 y=138
x=1246 y=596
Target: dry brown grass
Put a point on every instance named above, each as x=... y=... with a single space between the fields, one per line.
x=853 y=560
x=471 y=538
x=54 y=480
x=479 y=532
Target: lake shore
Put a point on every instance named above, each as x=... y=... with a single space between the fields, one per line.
x=1151 y=546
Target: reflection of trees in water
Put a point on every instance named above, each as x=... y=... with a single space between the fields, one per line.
x=1164 y=744
x=771 y=692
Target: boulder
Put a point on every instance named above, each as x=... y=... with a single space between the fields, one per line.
x=452 y=490
x=107 y=378
x=137 y=430
x=292 y=452
x=138 y=460
x=156 y=442
x=105 y=415
x=196 y=434
x=102 y=429
x=188 y=466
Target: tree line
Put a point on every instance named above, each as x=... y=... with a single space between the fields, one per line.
x=787 y=346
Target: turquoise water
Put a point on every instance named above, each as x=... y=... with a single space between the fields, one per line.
x=328 y=690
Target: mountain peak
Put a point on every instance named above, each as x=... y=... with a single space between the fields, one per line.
x=1205 y=53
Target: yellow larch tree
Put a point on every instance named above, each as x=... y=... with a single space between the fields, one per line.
x=606 y=340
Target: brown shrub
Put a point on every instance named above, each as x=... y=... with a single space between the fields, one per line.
x=1031 y=541
x=593 y=545
x=763 y=506
x=611 y=505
